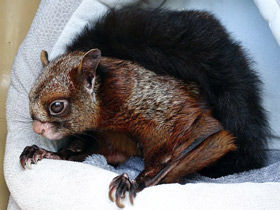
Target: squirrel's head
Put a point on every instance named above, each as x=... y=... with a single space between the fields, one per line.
x=62 y=100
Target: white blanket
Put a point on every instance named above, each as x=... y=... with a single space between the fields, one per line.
x=270 y=10
x=68 y=185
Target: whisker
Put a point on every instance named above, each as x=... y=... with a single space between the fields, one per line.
x=15 y=113
x=20 y=116
x=22 y=121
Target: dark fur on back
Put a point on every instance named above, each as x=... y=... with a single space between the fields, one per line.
x=192 y=46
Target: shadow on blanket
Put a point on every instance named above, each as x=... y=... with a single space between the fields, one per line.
x=134 y=165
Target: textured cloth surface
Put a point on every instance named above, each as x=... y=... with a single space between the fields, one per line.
x=133 y=166
x=270 y=10
x=69 y=185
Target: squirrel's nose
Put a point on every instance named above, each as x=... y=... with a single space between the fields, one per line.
x=38 y=127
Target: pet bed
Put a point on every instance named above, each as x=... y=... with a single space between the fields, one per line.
x=54 y=184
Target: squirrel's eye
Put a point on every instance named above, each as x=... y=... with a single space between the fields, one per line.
x=57 y=107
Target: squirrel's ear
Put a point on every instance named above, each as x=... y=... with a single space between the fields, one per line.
x=90 y=61
x=44 y=58
x=88 y=65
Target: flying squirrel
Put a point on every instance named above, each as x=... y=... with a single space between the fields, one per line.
x=186 y=100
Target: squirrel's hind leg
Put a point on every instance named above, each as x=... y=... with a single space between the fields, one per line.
x=186 y=162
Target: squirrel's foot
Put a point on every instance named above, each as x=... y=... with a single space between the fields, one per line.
x=121 y=184
x=32 y=154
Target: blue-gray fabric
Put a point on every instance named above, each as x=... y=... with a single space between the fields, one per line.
x=134 y=165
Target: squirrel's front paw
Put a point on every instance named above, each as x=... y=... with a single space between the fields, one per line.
x=32 y=154
x=121 y=184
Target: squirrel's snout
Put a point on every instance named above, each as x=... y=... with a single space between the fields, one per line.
x=38 y=127
x=46 y=129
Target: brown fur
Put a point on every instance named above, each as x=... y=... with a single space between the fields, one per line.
x=135 y=111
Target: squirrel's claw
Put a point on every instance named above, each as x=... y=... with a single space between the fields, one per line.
x=120 y=185
x=28 y=163
x=30 y=155
x=22 y=162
